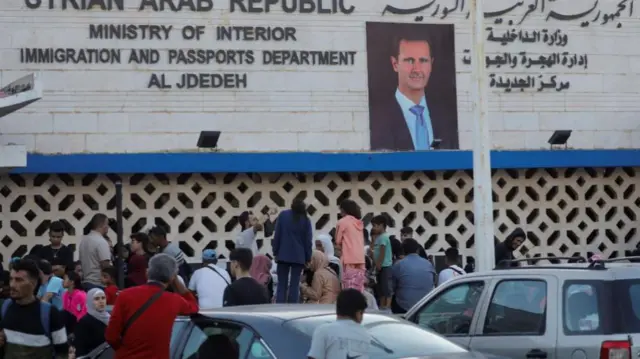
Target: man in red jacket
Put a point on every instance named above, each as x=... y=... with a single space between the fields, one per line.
x=153 y=312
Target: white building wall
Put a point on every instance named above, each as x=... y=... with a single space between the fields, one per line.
x=108 y=108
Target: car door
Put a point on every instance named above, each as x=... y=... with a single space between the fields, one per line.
x=210 y=337
x=519 y=319
x=452 y=310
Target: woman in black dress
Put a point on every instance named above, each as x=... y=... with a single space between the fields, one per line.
x=89 y=332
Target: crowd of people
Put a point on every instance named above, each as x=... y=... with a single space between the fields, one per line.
x=56 y=305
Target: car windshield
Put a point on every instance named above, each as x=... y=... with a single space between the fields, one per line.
x=392 y=338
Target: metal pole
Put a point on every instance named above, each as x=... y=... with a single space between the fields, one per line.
x=120 y=241
x=482 y=195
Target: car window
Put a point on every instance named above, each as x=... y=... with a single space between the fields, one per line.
x=451 y=312
x=625 y=307
x=391 y=337
x=178 y=326
x=209 y=338
x=258 y=350
x=581 y=313
x=517 y=307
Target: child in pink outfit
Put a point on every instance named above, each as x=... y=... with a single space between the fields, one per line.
x=74 y=300
x=350 y=242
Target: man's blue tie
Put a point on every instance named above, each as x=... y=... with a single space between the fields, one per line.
x=421 y=131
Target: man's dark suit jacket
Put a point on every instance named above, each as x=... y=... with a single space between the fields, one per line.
x=388 y=128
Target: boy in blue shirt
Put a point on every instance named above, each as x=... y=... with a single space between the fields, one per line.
x=383 y=259
x=52 y=288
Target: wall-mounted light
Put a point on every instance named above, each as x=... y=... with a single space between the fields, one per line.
x=208 y=139
x=559 y=138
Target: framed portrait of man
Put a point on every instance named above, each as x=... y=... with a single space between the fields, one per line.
x=412 y=86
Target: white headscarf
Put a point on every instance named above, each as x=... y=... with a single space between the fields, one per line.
x=327 y=245
x=102 y=316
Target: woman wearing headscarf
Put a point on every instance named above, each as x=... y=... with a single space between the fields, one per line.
x=89 y=332
x=324 y=244
x=325 y=284
x=261 y=271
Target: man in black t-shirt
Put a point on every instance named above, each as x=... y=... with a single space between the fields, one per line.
x=244 y=290
x=57 y=253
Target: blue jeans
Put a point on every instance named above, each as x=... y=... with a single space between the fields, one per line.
x=284 y=285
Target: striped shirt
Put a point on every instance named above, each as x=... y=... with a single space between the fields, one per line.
x=173 y=250
x=25 y=336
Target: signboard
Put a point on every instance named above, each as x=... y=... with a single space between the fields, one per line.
x=336 y=75
x=19 y=94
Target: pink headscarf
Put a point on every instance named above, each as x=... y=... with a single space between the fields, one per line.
x=261 y=269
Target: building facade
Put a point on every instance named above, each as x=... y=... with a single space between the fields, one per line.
x=309 y=97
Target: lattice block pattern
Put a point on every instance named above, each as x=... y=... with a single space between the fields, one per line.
x=564 y=211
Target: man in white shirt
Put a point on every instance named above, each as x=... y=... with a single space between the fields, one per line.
x=345 y=337
x=209 y=282
x=250 y=227
x=451 y=257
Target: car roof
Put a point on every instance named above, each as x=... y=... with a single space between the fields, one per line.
x=567 y=271
x=282 y=312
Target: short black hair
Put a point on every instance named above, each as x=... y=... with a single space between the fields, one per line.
x=75 y=278
x=243 y=218
x=29 y=266
x=380 y=219
x=243 y=256
x=406 y=230
x=110 y=271
x=45 y=267
x=409 y=36
x=158 y=231
x=350 y=301
x=56 y=226
x=410 y=246
x=97 y=220
x=452 y=254
x=140 y=237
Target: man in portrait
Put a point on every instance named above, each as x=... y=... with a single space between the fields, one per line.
x=408 y=120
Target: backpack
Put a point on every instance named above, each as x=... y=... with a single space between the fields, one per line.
x=45 y=316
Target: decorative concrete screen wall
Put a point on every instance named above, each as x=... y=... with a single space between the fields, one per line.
x=564 y=211
x=317 y=75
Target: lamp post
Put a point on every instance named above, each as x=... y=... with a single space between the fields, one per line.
x=482 y=192
x=120 y=239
